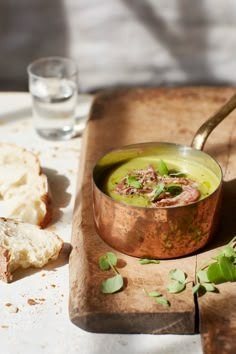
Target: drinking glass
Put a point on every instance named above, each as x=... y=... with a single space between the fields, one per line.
x=53 y=84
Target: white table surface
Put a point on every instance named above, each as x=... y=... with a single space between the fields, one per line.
x=45 y=327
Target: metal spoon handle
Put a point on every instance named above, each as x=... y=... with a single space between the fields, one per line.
x=206 y=128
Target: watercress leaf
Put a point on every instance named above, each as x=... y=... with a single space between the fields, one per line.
x=209 y=287
x=162 y=301
x=177 y=274
x=228 y=251
x=174 y=189
x=202 y=276
x=153 y=293
x=162 y=168
x=111 y=257
x=103 y=263
x=227 y=267
x=112 y=285
x=148 y=261
x=132 y=182
x=175 y=287
x=214 y=273
x=160 y=188
x=195 y=288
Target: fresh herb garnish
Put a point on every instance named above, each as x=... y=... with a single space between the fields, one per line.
x=221 y=270
x=148 y=261
x=158 y=297
x=179 y=281
x=174 y=189
x=162 y=168
x=160 y=188
x=115 y=283
x=132 y=182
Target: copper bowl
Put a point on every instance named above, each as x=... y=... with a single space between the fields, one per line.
x=164 y=232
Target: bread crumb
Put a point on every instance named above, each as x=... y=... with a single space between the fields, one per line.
x=11 y=308
x=36 y=301
x=32 y=302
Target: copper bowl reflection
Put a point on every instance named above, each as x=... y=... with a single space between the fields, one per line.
x=165 y=232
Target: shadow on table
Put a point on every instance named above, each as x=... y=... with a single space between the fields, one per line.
x=13 y=116
x=60 y=198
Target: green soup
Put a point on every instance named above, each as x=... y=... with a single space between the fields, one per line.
x=206 y=179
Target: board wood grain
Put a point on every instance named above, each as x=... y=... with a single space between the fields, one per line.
x=121 y=117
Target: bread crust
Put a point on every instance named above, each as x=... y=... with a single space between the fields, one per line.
x=23 y=245
x=5 y=255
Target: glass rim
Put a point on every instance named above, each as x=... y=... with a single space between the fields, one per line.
x=65 y=60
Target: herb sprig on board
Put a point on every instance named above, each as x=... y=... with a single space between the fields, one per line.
x=112 y=284
x=218 y=269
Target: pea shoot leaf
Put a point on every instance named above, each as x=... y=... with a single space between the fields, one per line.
x=178 y=275
x=209 y=287
x=227 y=268
x=227 y=251
x=107 y=261
x=153 y=293
x=132 y=182
x=103 y=263
x=174 y=189
x=148 y=261
x=162 y=168
x=160 y=188
x=175 y=287
x=111 y=258
x=195 y=288
x=214 y=274
x=202 y=276
x=162 y=301
x=112 y=285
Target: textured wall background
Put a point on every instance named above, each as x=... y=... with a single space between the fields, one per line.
x=122 y=42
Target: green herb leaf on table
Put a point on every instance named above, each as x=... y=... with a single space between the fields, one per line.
x=103 y=263
x=196 y=288
x=106 y=262
x=175 y=287
x=202 y=276
x=179 y=281
x=153 y=293
x=112 y=285
x=148 y=261
x=209 y=287
x=163 y=301
x=162 y=168
x=132 y=182
x=158 y=297
x=177 y=274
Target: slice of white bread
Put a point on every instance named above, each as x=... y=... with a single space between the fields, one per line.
x=24 y=193
x=24 y=245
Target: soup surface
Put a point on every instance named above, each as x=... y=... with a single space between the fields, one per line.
x=155 y=182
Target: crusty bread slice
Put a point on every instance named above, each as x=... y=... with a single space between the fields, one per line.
x=24 y=194
x=23 y=245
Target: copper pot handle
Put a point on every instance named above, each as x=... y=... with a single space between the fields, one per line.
x=206 y=128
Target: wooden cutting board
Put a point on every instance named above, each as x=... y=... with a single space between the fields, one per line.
x=122 y=117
